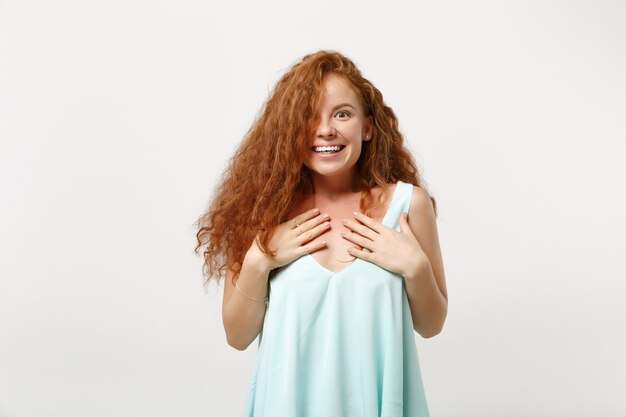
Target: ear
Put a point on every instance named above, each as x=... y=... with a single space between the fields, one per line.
x=368 y=128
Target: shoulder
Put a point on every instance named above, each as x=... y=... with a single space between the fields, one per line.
x=421 y=203
x=422 y=219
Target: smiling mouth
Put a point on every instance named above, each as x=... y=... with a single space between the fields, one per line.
x=327 y=150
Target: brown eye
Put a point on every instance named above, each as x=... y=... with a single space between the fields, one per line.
x=343 y=112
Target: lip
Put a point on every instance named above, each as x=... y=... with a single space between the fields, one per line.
x=328 y=156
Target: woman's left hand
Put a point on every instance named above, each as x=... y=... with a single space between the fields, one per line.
x=398 y=252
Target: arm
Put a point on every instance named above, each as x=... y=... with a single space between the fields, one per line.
x=425 y=282
x=243 y=317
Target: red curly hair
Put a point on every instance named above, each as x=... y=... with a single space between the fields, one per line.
x=257 y=190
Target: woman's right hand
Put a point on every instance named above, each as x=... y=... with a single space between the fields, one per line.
x=290 y=239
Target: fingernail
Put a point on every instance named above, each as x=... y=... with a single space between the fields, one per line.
x=316 y=210
x=355 y=213
x=344 y=221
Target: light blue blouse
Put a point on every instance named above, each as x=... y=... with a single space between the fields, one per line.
x=338 y=344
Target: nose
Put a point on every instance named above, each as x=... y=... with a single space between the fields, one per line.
x=324 y=129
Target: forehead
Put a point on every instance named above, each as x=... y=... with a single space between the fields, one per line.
x=336 y=88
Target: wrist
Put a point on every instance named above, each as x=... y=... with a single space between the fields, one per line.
x=258 y=261
x=416 y=269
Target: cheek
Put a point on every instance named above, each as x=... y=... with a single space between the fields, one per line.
x=353 y=132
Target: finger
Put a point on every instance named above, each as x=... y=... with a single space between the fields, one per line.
x=360 y=229
x=358 y=239
x=300 y=224
x=316 y=220
x=312 y=247
x=316 y=231
x=303 y=217
x=310 y=224
x=360 y=253
x=369 y=222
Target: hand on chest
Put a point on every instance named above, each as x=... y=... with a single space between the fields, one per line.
x=335 y=253
x=335 y=256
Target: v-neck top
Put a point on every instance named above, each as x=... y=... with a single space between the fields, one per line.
x=338 y=344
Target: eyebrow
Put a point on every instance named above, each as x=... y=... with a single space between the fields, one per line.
x=342 y=105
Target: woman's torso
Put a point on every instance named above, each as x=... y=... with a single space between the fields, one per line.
x=338 y=343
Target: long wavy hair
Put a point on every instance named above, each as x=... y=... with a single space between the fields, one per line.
x=257 y=190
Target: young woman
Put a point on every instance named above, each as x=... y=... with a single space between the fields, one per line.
x=309 y=226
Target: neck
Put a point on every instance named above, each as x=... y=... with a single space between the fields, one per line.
x=336 y=187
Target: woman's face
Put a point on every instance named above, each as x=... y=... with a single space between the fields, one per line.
x=341 y=123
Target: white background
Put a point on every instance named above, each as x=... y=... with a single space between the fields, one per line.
x=117 y=117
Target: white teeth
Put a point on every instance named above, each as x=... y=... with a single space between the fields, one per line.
x=327 y=148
